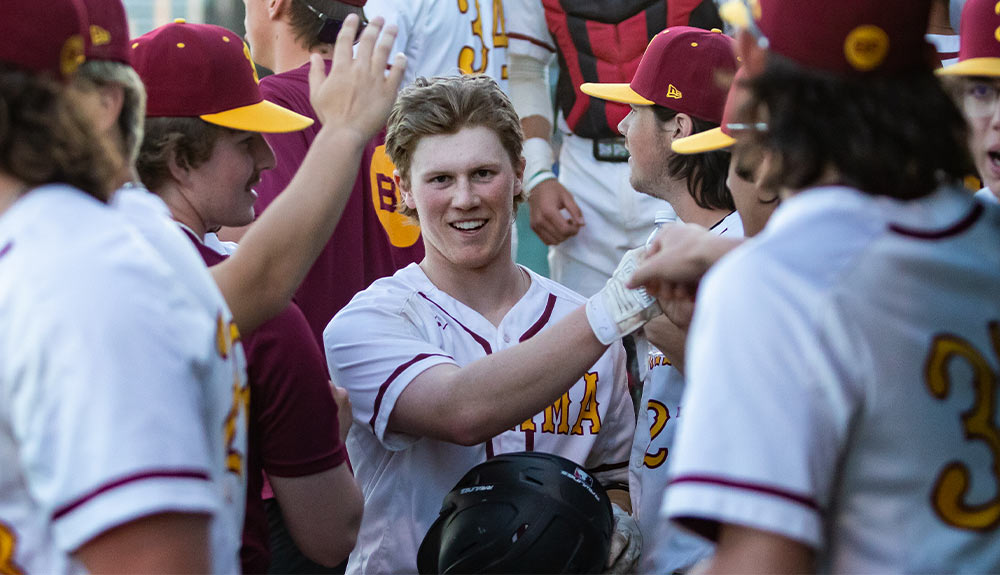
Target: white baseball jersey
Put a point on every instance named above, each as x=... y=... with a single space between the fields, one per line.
x=107 y=413
x=403 y=325
x=658 y=417
x=228 y=375
x=447 y=37
x=842 y=384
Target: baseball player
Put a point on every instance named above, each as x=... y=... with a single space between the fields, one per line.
x=120 y=439
x=848 y=427
x=679 y=89
x=589 y=215
x=371 y=240
x=432 y=356
x=279 y=357
x=678 y=257
x=293 y=436
x=975 y=82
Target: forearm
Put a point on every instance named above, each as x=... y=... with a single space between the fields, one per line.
x=259 y=280
x=471 y=404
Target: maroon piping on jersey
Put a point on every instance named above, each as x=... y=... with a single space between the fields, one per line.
x=479 y=339
x=766 y=489
x=385 y=385
x=529 y=436
x=535 y=41
x=6 y=249
x=954 y=230
x=544 y=319
x=154 y=474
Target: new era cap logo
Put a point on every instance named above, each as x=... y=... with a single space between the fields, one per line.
x=673 y=92
x=99 y=36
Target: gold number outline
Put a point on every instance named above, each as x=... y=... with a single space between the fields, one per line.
x=951 y=487
x=661 y=415
x=8 y=543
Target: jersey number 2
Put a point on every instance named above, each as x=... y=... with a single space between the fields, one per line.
x=951 y=488
x=8 y=541
x=467 y=56
x=660 y=417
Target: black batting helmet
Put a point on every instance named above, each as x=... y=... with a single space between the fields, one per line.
x=521 y=513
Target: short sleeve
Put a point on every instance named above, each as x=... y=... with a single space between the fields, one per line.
x=758 y=441
x=110 y=412
x=290 y=400
x=527 y=31
x=374 y=349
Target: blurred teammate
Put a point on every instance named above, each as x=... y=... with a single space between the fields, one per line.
x=203 y=165
x=679 y=89
x=119 y=432
x=432 y=356
x=848 y=426
x=976 y=81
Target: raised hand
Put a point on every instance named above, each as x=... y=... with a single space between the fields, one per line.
x=358 y=93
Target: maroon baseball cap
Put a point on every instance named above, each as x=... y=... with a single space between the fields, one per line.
x=846 y=37
x=204 y=71
x=685 y=69
x=43 y=36
x=723 y=136
x=108 y=31
x=979 y=48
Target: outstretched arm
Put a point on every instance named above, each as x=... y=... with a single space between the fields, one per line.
x=352 y=103
x=468 y=405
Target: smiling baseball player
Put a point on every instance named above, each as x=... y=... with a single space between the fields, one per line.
x=467 y=355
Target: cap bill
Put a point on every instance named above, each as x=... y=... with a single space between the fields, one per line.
x=707 y=141
x=263 y=116
x=972 y=67
x=622 y=93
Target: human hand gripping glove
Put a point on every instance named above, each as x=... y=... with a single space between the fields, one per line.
x=626 y=543
x=616 y=310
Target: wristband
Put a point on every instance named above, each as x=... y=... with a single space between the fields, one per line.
x=538 y=160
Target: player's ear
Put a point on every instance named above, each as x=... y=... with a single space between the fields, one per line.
x=683 y=126
x=277 y=8
x=180 y=170
x=403 y=185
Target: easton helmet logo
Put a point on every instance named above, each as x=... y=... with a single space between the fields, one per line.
x=673 y=92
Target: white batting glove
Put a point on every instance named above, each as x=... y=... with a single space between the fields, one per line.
x=617 y=311
x=626 y=543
